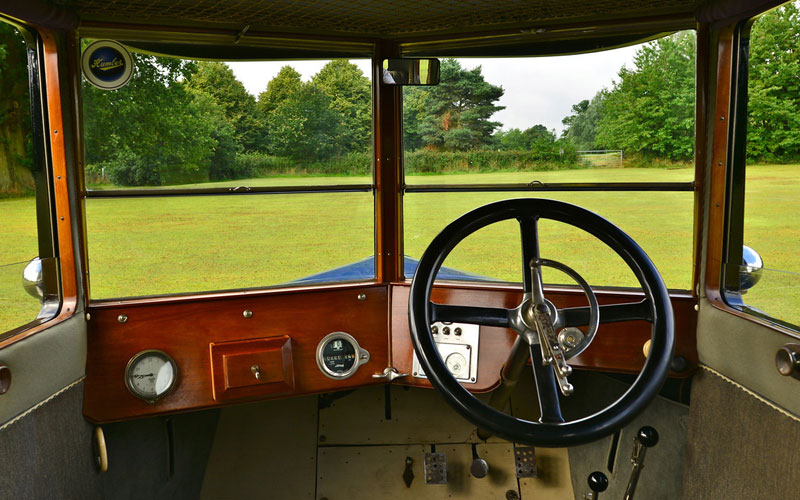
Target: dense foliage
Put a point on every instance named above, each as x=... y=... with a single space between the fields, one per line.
x=649 y=111
x=192 y=121
x=773 y=133
x=15 y=127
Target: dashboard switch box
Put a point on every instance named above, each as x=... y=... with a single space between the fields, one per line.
x=252 y=368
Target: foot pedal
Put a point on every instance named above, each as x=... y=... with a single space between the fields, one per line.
x=525 y=459
x=435 y=468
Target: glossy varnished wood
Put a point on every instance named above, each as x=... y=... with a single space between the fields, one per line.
x=185 y=329
x=617 y=346
x=719 y=164
x=252 y=368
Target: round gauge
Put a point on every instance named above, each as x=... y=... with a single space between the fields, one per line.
x=339 y=355
x=457 y=364
x=151 y=374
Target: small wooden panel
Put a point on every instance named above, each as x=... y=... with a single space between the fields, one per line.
x=494 y=346
x=248 y=368
x=184 y=327
x=617 y=347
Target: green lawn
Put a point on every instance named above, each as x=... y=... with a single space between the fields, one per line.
x=151 y=246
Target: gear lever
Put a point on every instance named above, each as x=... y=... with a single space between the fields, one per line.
x=647 y=437
x=598 y=483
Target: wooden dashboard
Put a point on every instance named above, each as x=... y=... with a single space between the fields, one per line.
x=215 y=338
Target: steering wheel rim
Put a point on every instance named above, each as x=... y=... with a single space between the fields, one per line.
x=592 y=427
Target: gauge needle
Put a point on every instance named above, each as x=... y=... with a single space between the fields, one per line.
x=145 y=375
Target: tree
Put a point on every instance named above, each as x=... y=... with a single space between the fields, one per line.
x=581 y=125
x=152 y=131
x=650 y=110
x=536 y=138
x=350 y=96
x=303 y=126
x=223 y=165
x=455 y=114
x=285 y=83
x=511 y=140
x=413 y=111
x=217 y=80
x=773 y=132
x=15 y=121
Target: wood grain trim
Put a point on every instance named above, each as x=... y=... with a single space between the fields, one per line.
x=185 y=330
x=719 y=165
x=616 y=348
x=232 y=366
x=58 y=164
x=387 y=109
x=205 y=297
x=702 y=111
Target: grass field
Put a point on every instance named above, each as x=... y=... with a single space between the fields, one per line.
x=149 y=246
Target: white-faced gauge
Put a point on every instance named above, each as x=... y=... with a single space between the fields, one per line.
x=151 y=375
x=339 y=355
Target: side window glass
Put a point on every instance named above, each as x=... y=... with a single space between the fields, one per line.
x=769 y=275
x=25 y=241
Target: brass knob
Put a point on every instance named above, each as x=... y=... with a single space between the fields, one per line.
x=256 y=371
x=787 y=360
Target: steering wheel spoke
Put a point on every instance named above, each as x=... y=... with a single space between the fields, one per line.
x=531 y=267
x=547 y=387
x=485 y=316
x=611 y=313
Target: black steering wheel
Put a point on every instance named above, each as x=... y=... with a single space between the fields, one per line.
x=536 y=321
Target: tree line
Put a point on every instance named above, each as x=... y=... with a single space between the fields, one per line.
x=186 y=121
x=649 y=111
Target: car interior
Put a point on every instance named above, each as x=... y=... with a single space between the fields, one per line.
x=174 y=325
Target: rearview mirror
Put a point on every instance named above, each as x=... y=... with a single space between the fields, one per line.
x=411 y=71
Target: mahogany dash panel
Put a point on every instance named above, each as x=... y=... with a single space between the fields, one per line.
x=617 y=347
x=185 y=328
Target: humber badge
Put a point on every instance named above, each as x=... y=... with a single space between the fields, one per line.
x=107 y=64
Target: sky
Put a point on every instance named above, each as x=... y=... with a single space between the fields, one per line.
x=538 y=90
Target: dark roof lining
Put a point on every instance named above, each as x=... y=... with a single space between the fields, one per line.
x=197 y=43
x=373 y=18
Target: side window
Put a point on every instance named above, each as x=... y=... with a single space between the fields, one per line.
x=28 y=283
x=764 y=279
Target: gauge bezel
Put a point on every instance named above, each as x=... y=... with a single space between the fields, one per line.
x=141 y=354
x=362 y=356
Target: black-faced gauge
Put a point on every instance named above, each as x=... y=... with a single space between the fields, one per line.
x=151 y=375
x=339 y=355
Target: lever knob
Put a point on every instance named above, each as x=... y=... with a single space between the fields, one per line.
x=479 y=468
x=598 y=482
x=648 y=436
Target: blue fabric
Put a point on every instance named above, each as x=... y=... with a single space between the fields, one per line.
x=365 y=270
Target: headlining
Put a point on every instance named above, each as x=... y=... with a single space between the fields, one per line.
x=372 y=17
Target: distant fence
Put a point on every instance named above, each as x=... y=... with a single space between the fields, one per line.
x=601 y=158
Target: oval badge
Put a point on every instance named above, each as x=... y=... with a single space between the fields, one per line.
x=106 y=64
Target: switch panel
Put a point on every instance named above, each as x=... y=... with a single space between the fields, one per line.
x=458 y=347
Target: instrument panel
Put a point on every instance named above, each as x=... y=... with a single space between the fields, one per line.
x=229 y=348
